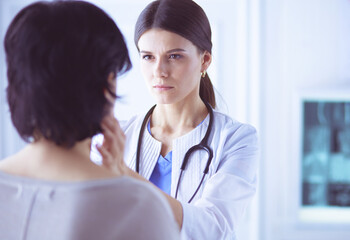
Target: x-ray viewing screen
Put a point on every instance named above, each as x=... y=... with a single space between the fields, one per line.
x=326 y=153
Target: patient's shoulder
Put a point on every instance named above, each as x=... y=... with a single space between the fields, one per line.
x=130 y=202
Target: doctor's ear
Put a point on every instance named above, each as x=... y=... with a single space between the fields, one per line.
x=205 y=60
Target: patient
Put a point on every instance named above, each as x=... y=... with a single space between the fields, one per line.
x=62 y=60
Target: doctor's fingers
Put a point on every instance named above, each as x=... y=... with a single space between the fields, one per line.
x=112 y=131
x=112 y=125
x=114 y=140
x=108 y=160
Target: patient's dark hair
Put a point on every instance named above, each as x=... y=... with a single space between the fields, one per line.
x=59 y=56
x=185 y=18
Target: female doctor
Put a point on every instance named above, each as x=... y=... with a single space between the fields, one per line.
x=183 y=135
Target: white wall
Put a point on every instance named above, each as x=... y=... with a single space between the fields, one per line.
x=306 y=50
x=2 y=80
x=9 y=140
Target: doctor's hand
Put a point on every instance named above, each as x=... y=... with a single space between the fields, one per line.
x=112 y=148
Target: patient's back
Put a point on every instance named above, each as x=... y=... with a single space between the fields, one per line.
x=120 y=208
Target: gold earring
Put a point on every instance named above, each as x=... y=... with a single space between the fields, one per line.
x=203 y=74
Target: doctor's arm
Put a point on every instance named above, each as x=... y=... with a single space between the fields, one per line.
x=228 y=192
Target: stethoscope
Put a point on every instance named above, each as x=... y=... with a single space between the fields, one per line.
x=203 y=145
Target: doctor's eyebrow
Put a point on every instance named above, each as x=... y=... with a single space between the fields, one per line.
x=176 y=50
x=170 y=51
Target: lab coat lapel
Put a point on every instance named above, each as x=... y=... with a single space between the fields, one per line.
x=194 y=171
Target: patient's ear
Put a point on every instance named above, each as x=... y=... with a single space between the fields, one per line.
x=112 y=81
x=110 y=93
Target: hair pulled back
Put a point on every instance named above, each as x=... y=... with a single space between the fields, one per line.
x=187 y=19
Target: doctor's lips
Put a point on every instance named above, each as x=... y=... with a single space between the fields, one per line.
x=162 y=87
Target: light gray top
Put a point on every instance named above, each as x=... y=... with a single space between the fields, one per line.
x=120 y=208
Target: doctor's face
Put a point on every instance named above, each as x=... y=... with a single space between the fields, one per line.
x=171 y=66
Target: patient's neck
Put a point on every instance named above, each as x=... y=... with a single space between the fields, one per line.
x=47 y=161
x=46 y=150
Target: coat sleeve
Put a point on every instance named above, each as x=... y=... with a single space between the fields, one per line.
x=228 y=192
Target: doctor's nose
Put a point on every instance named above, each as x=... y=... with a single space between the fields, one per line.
x=160 y=69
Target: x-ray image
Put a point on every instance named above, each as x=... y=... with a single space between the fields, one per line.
x=326 y=153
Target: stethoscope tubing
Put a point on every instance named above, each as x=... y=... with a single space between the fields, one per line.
x=203 y=145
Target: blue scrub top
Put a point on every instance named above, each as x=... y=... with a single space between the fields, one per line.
x=161 y=176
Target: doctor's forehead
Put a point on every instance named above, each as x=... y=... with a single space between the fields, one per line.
x=159 y=40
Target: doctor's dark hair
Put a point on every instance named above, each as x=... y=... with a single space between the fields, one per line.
x=185 y=18
x=59 y=56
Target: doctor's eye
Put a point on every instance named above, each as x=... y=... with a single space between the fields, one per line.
x=175 y=56
x=147 y=57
